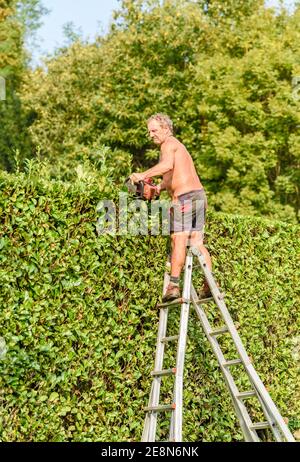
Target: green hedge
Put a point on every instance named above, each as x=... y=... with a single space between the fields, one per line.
x=79 y=319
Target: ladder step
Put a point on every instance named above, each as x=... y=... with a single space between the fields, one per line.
x=232 y=362
x=221 y=330
x=169 y=339
x=164 y=372
x=260 y=426
x=246 y=394
x=170 y=304
x=164 y=407
x=204 y=300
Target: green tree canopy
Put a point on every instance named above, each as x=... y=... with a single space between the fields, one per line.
x=11 y=68
x=223 y=72
x=18 y=19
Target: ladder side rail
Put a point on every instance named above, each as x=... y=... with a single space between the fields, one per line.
x=241 y=410
x=268 y=404
x=146 y=428
x=279 y=437
x=224 y=311
x=151 y=417
x=253 y=376
x=181 y=347
x=172 y=420
x=150 y=424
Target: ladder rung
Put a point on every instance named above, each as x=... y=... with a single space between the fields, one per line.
x=232 y=362
x=172 y=303
x=219 y=331
x=246 y=394
x=260 y=426
x=169 y=339
x=164 y=407
x=204 y=300
x=164 y=372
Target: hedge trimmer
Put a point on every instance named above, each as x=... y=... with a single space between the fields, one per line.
x=145 y=189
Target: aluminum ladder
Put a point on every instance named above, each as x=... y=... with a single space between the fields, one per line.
x=273 y=419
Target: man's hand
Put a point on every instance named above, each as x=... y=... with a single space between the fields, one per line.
x=158 y=189
x=136 y=177
x=150 y=191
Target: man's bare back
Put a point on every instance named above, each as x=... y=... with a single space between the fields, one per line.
x=183 y=177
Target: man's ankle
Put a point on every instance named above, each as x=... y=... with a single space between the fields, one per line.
x=174 y=280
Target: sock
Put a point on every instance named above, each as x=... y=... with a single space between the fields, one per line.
x=174 y=280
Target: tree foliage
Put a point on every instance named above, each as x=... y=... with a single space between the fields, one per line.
x=221 y=70
x=11 y=69
x=30 y=13
x=19 y=19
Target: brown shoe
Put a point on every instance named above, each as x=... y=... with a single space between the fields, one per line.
x=172 y=293
x=204 y=292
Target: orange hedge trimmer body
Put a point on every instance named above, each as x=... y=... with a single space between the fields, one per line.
x=145 y=189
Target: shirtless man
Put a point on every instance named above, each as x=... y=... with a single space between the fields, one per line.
x=189 y=202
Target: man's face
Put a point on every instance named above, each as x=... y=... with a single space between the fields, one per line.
x=157 y=133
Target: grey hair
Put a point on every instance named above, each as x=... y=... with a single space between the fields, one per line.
x=163 y=120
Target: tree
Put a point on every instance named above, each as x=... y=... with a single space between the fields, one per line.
x=226 y=82
x=17 y=18
x=11 y=68
x=29 y=14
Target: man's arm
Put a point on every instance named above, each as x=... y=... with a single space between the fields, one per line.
x=160 y=187
x=165 y=164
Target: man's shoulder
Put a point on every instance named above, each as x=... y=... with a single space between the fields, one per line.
x=171 y=143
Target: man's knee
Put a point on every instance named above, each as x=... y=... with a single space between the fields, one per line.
x=179 y=238
x=196 y=238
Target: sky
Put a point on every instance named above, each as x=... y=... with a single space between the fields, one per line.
x=92 y=17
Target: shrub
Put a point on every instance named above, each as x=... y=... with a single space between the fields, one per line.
x=79 y=319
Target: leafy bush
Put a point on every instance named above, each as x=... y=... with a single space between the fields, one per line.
x=79 y=319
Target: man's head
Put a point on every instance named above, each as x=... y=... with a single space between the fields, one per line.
x=160 y=127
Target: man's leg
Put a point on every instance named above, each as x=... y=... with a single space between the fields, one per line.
x=197 y=241
x=179 y=242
